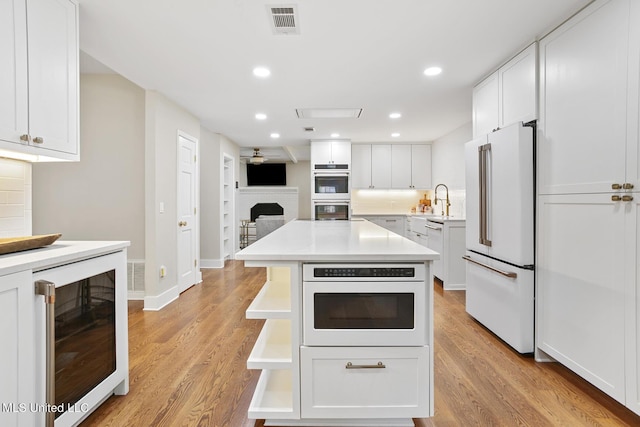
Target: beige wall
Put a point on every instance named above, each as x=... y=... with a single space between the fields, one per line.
x=163 y=120
x=102 y=196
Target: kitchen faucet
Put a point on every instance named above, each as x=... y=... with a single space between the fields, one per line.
x=435 y=198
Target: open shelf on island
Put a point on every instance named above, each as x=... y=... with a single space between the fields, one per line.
x=273 y=397
x=272 y=302
x=272 y=349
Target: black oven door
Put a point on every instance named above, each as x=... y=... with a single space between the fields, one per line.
x=331 y=210
x=362 y=310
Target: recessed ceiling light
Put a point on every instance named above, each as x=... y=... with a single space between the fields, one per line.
x=335 y=135
x=395 y=134
x=395 y=115
x=261 y=72
x=275 y=135
x=432 y=71
x=261 y=116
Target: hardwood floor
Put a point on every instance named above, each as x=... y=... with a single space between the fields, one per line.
x=188 y=368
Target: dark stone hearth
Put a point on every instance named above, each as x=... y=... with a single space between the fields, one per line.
x=265 y=209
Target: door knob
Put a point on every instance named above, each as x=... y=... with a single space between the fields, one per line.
x=182 y=223
x=38 y=140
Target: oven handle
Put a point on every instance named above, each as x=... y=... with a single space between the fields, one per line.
x=48 y=290
x=509 y=274
x=350 y=365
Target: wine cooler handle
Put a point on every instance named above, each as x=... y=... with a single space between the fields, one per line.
x=48 y=290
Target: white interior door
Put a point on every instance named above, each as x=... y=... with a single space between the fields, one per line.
x=187 y=229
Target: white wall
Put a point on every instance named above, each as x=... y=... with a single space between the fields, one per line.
x=213 y=147
x=448 y=167
x=163 y=120
x=102 y=196
x=15 y=198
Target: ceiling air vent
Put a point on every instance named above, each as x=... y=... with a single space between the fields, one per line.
x=284 y=19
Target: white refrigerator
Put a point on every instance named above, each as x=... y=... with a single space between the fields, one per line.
x=500 y=233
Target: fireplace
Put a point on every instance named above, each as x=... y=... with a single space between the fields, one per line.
x=265 y=209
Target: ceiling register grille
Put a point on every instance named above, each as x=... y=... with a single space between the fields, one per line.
x=284 y=19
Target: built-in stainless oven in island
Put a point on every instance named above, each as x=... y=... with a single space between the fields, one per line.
x=364 y=304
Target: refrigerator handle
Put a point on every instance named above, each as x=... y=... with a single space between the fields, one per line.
x=509 y=274
x=482 y=170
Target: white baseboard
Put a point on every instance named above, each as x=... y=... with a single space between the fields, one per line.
x=211 y=263
x=135 y=295
x=158 y=302
x=454 y=286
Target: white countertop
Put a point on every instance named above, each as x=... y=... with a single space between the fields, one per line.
x=356 y=240
x=59 y=253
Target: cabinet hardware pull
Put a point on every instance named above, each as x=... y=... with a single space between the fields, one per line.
x=616 y=186
x=430 y=227
x=38 y=140
x=627 y=186
x=24 y=137
x=615 y=198
x=182 y=223
x=48 y=290
x=509 y=274
x=350 y=365
x=627 y=198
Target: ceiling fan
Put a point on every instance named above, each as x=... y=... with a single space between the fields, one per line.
x=257 y=157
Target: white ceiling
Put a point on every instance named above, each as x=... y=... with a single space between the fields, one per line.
x=367 y=54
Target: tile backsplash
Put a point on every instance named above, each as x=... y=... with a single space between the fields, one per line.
x=15 y=198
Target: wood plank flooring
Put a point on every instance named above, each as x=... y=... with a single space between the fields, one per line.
x=188 y=368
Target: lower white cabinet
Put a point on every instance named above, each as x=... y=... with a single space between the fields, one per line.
x=393 y=223
x=588 y=289
x=364 y=382
x=17 y=360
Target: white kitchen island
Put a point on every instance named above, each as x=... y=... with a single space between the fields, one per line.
x=347 y=373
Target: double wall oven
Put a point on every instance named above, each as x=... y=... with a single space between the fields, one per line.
x=331 y=192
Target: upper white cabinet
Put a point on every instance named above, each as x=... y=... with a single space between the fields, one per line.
x=330 y=152
x=39 y=74
x=583 y=137
x=485 y=105
x=410 y=166
x=507 y=96
x=371 y=166
x=391 y=166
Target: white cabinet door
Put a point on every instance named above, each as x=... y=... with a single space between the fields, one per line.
x=581 y=286
x=17 y=361
x=381 y=166
x=485 y=105
x=13 y=71
x=583 y=100
x=421 y=166
x=361 y=166
x=320 y=153
x=632 y=272
x=518 y=89
x=53 y=75
x=401 y=166
x=397 y=386
x=331 y=152
x=341 y=152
